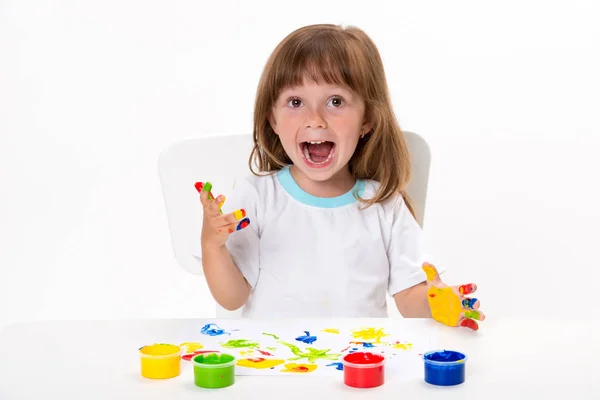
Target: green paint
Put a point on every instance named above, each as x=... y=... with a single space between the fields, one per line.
x=472 y=314
x=270 y=334
x=311 y=354
x=207 y=187
x=272 y=348
x=239 y=344
x=214 y=370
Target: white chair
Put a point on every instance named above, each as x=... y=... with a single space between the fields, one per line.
x=221 y=159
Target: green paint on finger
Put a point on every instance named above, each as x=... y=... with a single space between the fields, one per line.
x=472 y=314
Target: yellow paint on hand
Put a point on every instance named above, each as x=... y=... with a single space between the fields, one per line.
x=260 y=363
x=430 y=271
x=445 y=305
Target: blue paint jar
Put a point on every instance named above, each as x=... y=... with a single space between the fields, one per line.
x=444 y=367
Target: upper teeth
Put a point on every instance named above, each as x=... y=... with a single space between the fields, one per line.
x=316 y=142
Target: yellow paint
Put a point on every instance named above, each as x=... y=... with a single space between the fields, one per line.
x=160 y=361
x=430 y=271
x=332 y=330
x=191 y=347
x=239 y=214
x=262 y=364
x=367 y=334
x=299 y=368
x=445 y=305
x=402 y=346
x=246 y=352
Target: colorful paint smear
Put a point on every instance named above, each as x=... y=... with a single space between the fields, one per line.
x=331 y=330
x=189 y=356
x=190 y=347
x=338 y=365
x=264 y=353
x=213 y=330
x=259 y=363
x=402 y=346
x=306 y=338
x=310 y=353
x=270 y=334
x=239 y=344
x=369 y=334
x=299 y=368
x=364 y=344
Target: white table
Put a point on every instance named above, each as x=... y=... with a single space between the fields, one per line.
x=99 y=360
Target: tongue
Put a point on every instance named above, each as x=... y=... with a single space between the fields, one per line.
x=320 y=150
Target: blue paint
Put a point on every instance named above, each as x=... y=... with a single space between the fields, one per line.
x=354 y=350
x=216 y=331
x=469 y=303
x=339 y=366
x=306 y=338
x=367 y=344
x=444 y=368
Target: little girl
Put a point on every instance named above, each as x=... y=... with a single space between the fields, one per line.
x=325 y=228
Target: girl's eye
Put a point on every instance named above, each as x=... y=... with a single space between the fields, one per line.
x=337 y=101
x=295 y=103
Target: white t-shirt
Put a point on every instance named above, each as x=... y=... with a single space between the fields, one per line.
x=313 y=257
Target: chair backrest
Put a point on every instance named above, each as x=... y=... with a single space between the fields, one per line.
x=221 y=159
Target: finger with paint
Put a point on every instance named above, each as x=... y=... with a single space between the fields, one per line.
x=216 y=225
x=207 y=187
x=449 y=305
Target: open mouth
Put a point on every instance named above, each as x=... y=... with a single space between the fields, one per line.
x=318 y=153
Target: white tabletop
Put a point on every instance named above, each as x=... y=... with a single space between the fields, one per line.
x=520 y=358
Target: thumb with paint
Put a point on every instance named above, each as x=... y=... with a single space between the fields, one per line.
x=450 y=304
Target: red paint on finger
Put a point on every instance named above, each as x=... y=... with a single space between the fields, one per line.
x=231 y=230
x=469 y=323
x=466 y=289
x=199 y=186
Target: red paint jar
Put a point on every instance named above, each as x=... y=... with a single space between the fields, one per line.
x=363 y=369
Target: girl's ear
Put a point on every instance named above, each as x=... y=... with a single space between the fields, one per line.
x=367 y=126
x=272 y=123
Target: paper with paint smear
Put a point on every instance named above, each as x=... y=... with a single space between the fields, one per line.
x=315 y=348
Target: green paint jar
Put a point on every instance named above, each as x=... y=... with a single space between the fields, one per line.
x=214 y=370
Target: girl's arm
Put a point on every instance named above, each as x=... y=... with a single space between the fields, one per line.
x=225 y=281
x=412 y=302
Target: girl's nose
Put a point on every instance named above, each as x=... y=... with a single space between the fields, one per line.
x=314 y=120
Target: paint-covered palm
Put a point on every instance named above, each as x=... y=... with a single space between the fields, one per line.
x=450 y=304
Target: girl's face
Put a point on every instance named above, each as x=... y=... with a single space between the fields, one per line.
x=319 y=126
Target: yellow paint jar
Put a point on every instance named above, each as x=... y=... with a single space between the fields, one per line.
x=160 y=361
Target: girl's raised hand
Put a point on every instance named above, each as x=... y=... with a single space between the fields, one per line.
x=450 y=305
x=216 y=226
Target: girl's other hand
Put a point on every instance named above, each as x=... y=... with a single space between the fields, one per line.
x=216 y=226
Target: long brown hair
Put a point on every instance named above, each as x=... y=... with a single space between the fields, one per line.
x=342 y=56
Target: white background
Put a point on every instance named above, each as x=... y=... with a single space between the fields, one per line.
x=506 y=93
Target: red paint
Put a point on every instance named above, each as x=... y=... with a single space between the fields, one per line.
x=265 y=353
x=469 y=323
x=467 y=289
x=300 y=369
x=256 y=360
x=188 y=357
x=364 y=370
x=431 y=294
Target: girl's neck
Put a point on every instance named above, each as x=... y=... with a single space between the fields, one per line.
x=337 y=185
